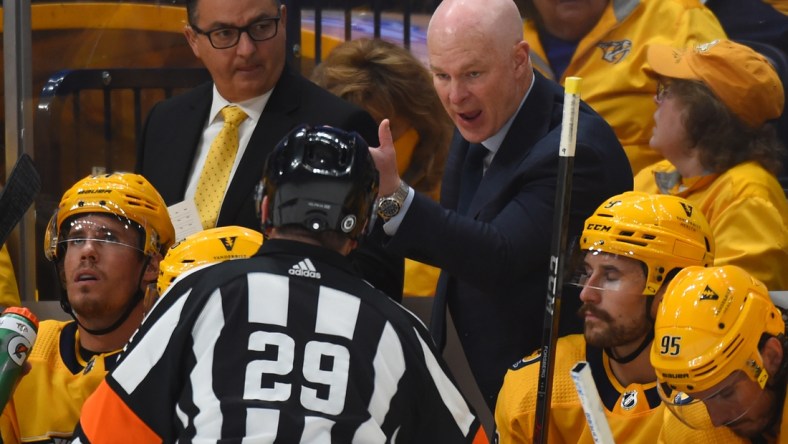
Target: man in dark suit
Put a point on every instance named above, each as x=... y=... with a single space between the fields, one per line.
x=492 y=242
x=242 y=44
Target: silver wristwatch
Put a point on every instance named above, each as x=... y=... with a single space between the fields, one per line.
x=389 y=206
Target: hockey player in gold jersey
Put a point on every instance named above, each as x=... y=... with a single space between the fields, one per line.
x=720 y=357
x=106 y=240
x=629 y=249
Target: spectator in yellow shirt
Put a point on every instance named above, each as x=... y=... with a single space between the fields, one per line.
x=714 y=101
x=605 y=42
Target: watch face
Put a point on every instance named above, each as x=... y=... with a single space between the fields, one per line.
x=388 y=208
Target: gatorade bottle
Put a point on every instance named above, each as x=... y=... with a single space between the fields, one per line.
x=18 y=330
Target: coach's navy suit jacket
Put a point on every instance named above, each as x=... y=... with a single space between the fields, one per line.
x=494 y=261
x=172 y=133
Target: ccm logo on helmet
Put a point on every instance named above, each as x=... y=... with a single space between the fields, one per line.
x=598 y=227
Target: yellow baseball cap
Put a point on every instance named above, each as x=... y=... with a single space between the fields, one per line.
x=742 y=78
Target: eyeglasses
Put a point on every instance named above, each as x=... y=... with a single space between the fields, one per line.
x=663 y=89
x=227 y=37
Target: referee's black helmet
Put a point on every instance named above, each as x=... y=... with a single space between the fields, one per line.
x=321 y=178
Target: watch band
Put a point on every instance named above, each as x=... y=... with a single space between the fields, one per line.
x=390 y=206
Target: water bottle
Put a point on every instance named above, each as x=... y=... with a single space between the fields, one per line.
x=18 y=330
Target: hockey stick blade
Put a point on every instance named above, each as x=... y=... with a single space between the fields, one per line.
x=592 y=404
x=21 y=188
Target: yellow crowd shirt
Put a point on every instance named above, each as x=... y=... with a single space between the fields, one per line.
x=780 y=5
x=747 y=210
x=611 y=59
x=47 y=402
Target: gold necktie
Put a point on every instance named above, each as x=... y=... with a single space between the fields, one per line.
x=216 y=172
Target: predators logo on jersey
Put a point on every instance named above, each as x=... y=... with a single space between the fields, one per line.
x=614 y=52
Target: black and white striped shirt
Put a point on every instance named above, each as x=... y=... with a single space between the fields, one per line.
x=289 y=346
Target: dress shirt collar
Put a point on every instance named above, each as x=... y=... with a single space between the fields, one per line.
x=494 y=142
x=252 y=107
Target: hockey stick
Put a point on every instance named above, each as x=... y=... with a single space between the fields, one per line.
x=592 y=405
x=555 y=279
x=21 y=188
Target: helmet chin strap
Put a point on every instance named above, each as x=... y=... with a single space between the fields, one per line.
x=136 y=298
x=643 y=345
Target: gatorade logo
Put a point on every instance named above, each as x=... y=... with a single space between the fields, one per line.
x=228 y=242
x=709 y=295
x=18 y=348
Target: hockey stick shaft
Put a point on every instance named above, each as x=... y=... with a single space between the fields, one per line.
x=563 y=194
x=20 y=190
x=592 y=404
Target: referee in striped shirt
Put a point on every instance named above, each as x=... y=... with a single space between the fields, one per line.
x=291 y=345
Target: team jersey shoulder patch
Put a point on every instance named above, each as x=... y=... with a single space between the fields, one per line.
x=304 y=268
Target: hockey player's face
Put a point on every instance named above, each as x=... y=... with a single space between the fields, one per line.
x=102 y=268
x=613 y=306
x=739 y=404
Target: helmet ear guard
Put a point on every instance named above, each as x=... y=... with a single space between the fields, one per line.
x=709 y=325
x=322 y=179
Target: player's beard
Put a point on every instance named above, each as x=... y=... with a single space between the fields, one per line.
x=606 y=332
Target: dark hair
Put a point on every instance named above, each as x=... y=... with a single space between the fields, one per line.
x=388 y=81
x=191 y=10
x=780 y=377
x=723 y=139
x=332 y=240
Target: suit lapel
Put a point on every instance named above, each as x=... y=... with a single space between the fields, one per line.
x=181 y=141
x=275 y=122
x=528 y=128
